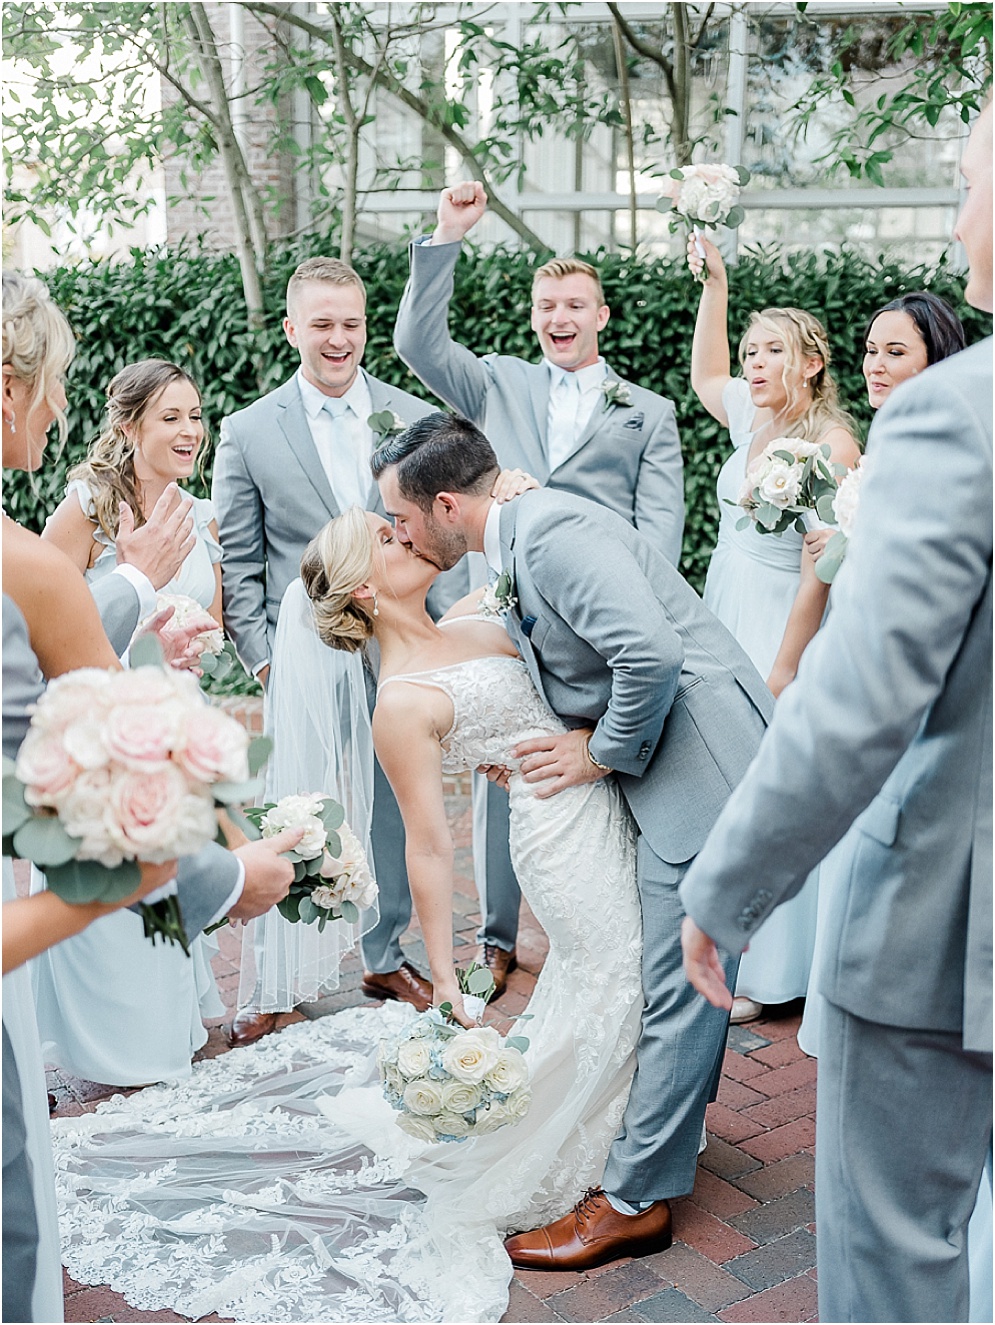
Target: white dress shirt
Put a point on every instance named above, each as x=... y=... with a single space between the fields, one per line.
x=492 y=540
x=573 y=398
x=342 y=438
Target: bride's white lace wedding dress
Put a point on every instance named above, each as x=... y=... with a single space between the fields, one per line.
x=276 y=1186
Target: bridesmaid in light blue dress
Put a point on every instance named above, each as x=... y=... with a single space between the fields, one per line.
x=763 y=588
x=111 y=1006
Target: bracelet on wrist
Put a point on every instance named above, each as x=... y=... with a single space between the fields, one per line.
x=602 y=768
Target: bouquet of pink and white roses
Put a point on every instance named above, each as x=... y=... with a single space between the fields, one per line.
x=845 y=505
x=213 y=655
x=791 y=484
x=332 y=878
x=700 y=196
x=447 y=1083
x=120 y=767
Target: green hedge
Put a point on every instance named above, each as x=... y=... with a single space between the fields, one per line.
x=187 y=306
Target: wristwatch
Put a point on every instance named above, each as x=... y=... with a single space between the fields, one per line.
x=602 y=768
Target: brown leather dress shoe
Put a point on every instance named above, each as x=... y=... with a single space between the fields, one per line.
x=593 y=1233
x=500 y=963
x=248 y=1027
x=406 y=985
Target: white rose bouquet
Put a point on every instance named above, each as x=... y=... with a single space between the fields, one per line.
x=845 y=505
x=698 y=196
x=447 y=1083
x=791 y=484
x=332 y=878
x=215 y=657
x=120 y=767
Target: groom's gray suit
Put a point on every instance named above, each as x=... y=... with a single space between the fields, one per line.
x=615 y=639
x=627 y=458
x=272 y=496
x=890 y=719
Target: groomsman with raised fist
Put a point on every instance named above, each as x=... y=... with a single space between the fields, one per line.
x=568 y=419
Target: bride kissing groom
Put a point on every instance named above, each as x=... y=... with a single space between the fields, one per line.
x=652 y=689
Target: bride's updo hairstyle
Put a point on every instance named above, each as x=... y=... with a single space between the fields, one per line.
x=335 y=563
x=38 y=344
x=804 y=337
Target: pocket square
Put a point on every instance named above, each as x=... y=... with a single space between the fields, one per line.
x=528 y=625
x=636 y=421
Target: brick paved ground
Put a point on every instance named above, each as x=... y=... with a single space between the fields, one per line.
x=744 y=1247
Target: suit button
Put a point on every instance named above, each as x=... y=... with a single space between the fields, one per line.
x=644 y=749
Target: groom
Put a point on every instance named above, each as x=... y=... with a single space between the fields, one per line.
x=654 y=690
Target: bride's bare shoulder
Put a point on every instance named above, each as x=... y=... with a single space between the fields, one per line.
x=29 y=563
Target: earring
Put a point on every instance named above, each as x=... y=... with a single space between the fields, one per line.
x=376 y=610
x=13 y=423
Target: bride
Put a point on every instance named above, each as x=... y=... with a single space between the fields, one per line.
x=275 y=1185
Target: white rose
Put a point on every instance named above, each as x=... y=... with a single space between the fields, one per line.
x=518 y=1104
x=195 y=824
x=72 y=695
x=847 y=499
x=508 y=1073
x=351 y=862
x=458 y=1097
x=452 y=1124
x=471 y=1055
x=84 y=741
x=392 y=1078
x=414 y=1057
x=781 y=484
x=298 y=812
x=490 y=1119
x=420 y=1128
x=326 y=898
x=85 y=814
x=423 y=1097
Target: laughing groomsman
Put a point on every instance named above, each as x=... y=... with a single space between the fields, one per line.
x=569 y=420
x=284 y=466
x=888 y=727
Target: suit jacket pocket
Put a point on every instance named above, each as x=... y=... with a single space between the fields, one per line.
x=539 y=632
x=880 y=820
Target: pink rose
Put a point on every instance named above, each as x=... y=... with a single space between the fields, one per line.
x=215 y=748
x=146 y=810
x=141 y=736
x=83 y=693
x=144 y=685
x=45 y=768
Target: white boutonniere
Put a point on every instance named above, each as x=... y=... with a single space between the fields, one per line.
x=385 y=424
x=498 y=597
x=615 y=392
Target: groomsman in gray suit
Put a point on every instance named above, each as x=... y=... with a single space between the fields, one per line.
x=889 y=727
x=284 y=466
x=568 y=419
x=653 y=689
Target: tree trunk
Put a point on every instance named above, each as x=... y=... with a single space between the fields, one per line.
x=623 y=90
x=682 y=86
x=250 y=235
x=347 y=238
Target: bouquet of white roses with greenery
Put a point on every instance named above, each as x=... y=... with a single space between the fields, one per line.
x=212 y=653
x=447 y=1083
x=119 y=767
x=791 y=484
x=845 y=505
x=703 y=196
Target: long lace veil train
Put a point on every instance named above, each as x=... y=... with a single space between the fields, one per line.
x=317 y=712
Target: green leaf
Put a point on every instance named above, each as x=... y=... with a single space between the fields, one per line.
x=518 y=1042
x=481 y=983
x=288 y=907
x=45 y=842
x=664 y=204
x=743 y=175
x=350 y=912
x=79 y=881
x=824 y=508
x=313 y=866
x=307 y=910
x=832 y=558
x=334 y=845
x=737 y=216
x=208 y=664
x=248 y=825
x=16 y=810
x=300 y=872
x=260 y=749
x=332 y=817
x=785 y=455
x=146 y=651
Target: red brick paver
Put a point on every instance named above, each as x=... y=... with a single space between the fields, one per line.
x=743 y=1248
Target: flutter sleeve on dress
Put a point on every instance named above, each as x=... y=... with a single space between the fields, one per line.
x=739 y=407
x=204 y=515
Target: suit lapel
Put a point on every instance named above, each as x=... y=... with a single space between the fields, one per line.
x=536 y=444
x=293 y=422
x=380 y=398
x=513 y=618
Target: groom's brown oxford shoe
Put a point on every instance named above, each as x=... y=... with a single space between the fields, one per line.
x=405 y=985
x=500 y=963
x=248 y=1027
x=592 y=1234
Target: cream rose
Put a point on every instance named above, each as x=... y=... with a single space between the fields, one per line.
x=324 y=897
x=781 y=484
x=86 y=814
x=298 y=812
x=84 y=741
x=452 y=1124
x=45 y=768
x=414 y=1057
x=420 y=1128
x=847 y=499
x=423 y=1097
x=458 y=1097
x=214 y=747
x=470 y=1056
x=508 y=1073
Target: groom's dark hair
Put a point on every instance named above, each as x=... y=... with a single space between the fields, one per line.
x=440 y=453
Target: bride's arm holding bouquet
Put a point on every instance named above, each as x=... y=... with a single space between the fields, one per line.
x=409 y=723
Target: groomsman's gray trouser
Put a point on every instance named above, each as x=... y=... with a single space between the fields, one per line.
x=903 y=1130
x=679 y=1057
x=20 y=1226
x=497 y=886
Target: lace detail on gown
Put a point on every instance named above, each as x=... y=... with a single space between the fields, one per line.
x=275 y=1185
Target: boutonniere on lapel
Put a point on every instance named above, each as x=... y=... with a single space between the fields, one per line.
x=615 y=392
x=499 y=597
x=385 y=424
